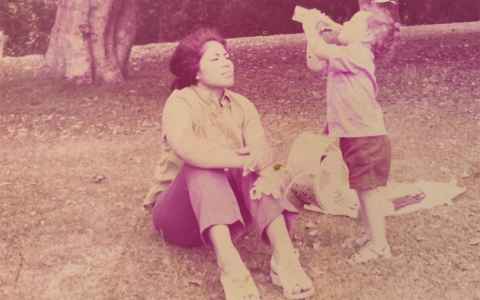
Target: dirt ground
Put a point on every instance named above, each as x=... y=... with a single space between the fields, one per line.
x=76 y=162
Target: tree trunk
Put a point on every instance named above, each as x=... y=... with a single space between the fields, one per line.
x=3 y=42
x=91 y=40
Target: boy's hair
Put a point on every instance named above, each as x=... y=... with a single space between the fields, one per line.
x=383 y=28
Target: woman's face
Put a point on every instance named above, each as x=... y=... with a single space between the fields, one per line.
x=215 y=69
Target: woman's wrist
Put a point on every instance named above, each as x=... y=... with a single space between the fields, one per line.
x=249 y=164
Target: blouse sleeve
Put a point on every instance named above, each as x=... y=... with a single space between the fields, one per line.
x=254 y=135
x=178 y=127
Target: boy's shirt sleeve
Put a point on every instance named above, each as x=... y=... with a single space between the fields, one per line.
x=314 y=63
x=351 y=59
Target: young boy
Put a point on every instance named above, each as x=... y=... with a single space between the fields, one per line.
x=353 y=113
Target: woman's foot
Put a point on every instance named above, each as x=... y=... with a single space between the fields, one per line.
x=239 y=286
x=370 y=252
x=289 y=274
x=237 y=281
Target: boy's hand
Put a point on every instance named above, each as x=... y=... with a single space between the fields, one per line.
x=318 y=21
x=304 y=15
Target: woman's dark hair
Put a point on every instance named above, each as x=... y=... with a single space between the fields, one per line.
x=184 y=63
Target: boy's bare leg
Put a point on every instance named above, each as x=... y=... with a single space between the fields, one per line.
x=377 y=247
x=356 y=242
x=366 y=234
x=372 y=204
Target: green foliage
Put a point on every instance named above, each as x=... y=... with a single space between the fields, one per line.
x=240 y=17
x=439 y=11
x=27 y=23
x=176 y=18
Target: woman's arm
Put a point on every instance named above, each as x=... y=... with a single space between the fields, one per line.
x=255 y=138
x=177 y=123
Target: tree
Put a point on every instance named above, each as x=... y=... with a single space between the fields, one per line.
x=91 y=40
x=3 y=41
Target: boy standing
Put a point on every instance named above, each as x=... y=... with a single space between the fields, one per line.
x=353 y=113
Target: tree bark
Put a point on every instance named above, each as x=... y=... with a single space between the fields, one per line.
x=3 y=42
x=91 y=40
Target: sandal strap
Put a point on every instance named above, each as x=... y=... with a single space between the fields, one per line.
x=239 y=287
x=279 y=274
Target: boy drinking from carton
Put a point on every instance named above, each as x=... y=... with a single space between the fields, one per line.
x=353 y=113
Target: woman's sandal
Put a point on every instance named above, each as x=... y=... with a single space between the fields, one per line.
x=368 y=252
x=282 y=275
x=239 y=287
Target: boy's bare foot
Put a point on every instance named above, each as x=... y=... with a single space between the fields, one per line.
x=370 y=252
x=357 y=242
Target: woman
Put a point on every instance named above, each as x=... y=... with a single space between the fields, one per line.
x=216 y=139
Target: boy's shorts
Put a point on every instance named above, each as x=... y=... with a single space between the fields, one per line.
x=368 y=160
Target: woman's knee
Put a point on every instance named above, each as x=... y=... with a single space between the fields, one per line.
x=199 y=177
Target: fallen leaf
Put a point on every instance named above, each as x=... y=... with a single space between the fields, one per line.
x=98 y=179
x=474 y=242
x=195 y=282
x=310 y=225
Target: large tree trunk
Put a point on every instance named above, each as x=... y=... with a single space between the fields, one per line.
x=3 y=42
x=91 y=40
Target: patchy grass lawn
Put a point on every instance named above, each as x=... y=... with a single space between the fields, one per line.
x=75 y=163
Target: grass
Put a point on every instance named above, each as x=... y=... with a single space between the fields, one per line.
x=64 y=235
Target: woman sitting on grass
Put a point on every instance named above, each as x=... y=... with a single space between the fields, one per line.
x=219 y=140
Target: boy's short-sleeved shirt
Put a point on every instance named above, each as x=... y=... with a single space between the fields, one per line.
x=352 y=108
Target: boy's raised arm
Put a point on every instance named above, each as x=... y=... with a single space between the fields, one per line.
x=316 y=44
x=314 y=63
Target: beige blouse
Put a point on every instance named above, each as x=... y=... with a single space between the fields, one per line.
x=232 y=123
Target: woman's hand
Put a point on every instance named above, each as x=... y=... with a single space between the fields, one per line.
x=255 y=161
